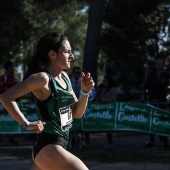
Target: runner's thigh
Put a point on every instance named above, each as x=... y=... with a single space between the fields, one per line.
x=55 y=157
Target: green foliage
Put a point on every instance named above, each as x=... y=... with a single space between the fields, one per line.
x=11 y=24
x=129 y=29
x=24 y=21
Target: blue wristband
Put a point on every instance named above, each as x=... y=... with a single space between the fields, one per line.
x=85 y=93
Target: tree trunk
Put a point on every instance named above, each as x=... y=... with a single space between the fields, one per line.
x=93 y=36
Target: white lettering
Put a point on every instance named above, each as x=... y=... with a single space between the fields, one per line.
x=131 y=118
x=102 y=115
x=156 y=121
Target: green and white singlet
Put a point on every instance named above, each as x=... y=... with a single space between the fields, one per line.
x=56 y=110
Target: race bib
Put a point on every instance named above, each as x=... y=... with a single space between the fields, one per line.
x=66 y=118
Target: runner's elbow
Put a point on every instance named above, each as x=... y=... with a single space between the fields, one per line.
x=77 y=115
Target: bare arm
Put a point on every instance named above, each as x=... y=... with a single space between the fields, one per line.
x=8 y=99
x=87 y=84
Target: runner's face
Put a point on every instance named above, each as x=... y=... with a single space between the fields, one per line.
x=64 y=56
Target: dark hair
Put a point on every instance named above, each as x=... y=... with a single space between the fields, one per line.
x=8 y=64
x=49 y=41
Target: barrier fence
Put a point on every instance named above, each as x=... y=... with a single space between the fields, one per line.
x=125 y=116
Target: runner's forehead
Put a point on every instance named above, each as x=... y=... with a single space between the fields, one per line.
x=66 y=45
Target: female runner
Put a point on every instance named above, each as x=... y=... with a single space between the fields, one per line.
x=55 y=102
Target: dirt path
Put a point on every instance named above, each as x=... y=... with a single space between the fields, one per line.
x=8 y=162
x=10 y=156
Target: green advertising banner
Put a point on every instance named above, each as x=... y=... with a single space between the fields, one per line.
x=133 y=117
x=125 y=116
x=9 y=125
x=102 y=117
x=99 y=116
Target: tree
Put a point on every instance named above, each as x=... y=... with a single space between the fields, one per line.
x=12 y=25
x=129 y=31
x=93 y=37
x=23 y=22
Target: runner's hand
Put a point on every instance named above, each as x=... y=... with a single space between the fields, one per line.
x=87 y=82
x=36 y=126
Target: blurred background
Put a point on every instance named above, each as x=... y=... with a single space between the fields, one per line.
x=117 y=38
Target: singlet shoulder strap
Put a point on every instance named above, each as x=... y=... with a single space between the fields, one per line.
x=51 y=82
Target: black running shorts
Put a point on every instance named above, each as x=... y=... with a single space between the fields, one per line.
x=44 y=139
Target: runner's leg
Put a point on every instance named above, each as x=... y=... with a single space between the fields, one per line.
x=56 y=157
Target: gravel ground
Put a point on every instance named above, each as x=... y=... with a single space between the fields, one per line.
x=9 y=159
